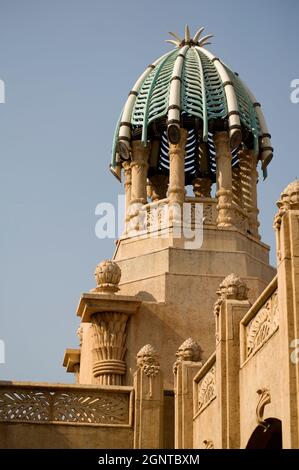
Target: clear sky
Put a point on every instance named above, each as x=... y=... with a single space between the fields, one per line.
x=68 y=66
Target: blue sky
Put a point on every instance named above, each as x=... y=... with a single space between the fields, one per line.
x=68 y=66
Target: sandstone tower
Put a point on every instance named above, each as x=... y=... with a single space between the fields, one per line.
x=191 y=134
x=190 y=338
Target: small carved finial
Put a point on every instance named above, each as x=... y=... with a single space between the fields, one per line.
x=233 y=287
x=289 y=200
x=147 y=360
x=190 y=350
x=107 y=275
x=80 y=334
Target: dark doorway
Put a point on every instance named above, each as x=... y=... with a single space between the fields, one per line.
x=269 y=437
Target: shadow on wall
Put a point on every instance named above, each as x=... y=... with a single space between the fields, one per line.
x=268 y=437
x=145 y=296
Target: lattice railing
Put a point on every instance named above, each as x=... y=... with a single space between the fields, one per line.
x=40 y=403
x=261 y=321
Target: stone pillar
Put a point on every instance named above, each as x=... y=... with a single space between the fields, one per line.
x=185 y=368
x=106 y=317
x=248 y=186
x=148 y=385
x=224 y=180
x=128 y=188
x=176 y=189
x=231 y=306
x=139 y=166
x=287 y=236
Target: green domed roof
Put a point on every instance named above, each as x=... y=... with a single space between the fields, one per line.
x=191 y=88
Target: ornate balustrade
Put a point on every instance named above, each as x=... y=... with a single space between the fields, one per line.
x=156 y=215
x=261 y=322
x=65 y=404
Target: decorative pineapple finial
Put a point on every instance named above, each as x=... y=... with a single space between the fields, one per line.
x=196 y=41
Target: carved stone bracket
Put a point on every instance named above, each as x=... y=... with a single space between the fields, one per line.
x=265 y=399
x=208 y=444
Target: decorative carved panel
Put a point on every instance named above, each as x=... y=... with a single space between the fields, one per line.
x=207 y=389
x=262 y=325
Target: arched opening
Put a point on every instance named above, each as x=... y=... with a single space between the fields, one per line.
x=268 y=437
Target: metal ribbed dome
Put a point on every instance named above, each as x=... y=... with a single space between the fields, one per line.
x=189 y=87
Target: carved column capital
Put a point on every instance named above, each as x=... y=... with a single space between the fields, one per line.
x=109 y=337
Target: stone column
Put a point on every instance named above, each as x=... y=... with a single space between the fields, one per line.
x=231 y=306
x=108 y=331
x=139 y=166
x=128 y=187
x=224 y=180
x=185 y=368
x=148 y=386
x=176 y=189
x=248 y=186
x=106 y=315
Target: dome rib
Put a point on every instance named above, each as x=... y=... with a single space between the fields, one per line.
x=125 y=129
x=204 y=99
x=231 y=100
x=149 y=96
x=266 y=148
x=174 y=109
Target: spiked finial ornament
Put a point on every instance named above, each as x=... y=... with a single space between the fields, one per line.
x=196 y=41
